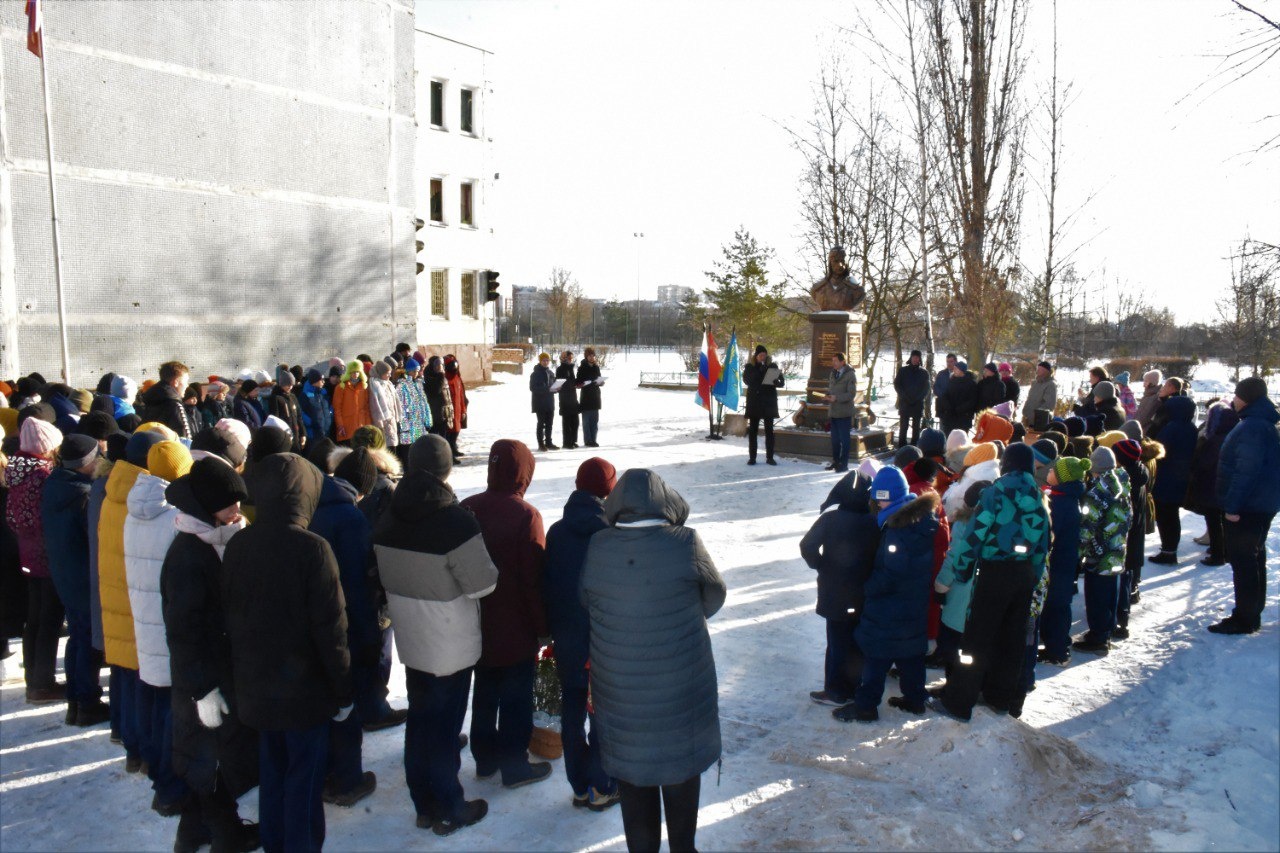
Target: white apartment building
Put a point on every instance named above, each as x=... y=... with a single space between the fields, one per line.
x=454 y=175
x=674 y=294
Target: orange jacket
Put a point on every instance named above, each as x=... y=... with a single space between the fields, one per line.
x=350 y=409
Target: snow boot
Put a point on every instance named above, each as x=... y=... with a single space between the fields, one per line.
x=601 y=800
x=822 y=697
x=1101 y=648
x=391 y=720
x=1120 y=632
x=852 y=712
x=1202 y=539
x=193 y=833
x=939 y=706
x=72 y=709
x=901 y=703
x=346 y=799
x=473 y=811
x=1231 y=626
x=530 y=773
x=234 y=834
x=1212 y=560
x=92 y=713
x=1164 y=558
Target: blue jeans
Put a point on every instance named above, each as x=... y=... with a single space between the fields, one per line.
x=1055 y=621
x=502 y=717
x=81 y=661
x=840 y=441
x=124 y=709
x=842 y=668
x=582 y=762
x=874 y=671
x=1100 y=595
x=291 y=781
x=155 y=724
x=437 y=707
x=590 y=425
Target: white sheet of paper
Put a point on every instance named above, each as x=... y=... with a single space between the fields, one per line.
x=557 y=385
x=599 y=381
x=771 y=375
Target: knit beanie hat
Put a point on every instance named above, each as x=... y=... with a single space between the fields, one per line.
x=117 y=445
x=984 y=452
x=906 y=455
x=597 y=477
x=168 y=460
x=318 y=454
x=761 y=348
x=82 y=399
x=1081 y=446
x=412 y=365
x=1075 y=426
x=1121 y=378
x=155 y=426
x=956 y=438
x=1104 y=390
x=1004 y=410
x=39 y=437
x=1019 y=432
x=1018 y=457
x=357 y=468
x=963 y=365
x=129 y=423
x=268 y=441
x=991 y=365
x=1153 y=377
x=890 y=490
x=1251 y=388
x=1046 y=365
x=1103 y=460
x=1045 y=452
x=973 y=494
x=1006 y=369
x=1094 y=425
x=78 y=451
x=98 y=426
x=1127 y=450
x=432 y=454
x=277 y=423
x=369 y=436
x=39 y=411
x=1058 y=439
x=1110 y=437
x=215 y=486
x=1070 y=469
x=933 y=442
x=238 y=428
x=124 y=388
x=993 y=427
x=382 y=370
x=314 y=376
x=284 y=378
x=923 y=470
x=1057 y=425
x=222 y=443
x=1133 y=429
x=246 y=386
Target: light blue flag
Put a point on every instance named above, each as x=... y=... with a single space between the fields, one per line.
x=728 y=390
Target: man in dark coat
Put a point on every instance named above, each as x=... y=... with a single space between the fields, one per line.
x=991 y=390
x=589 y=400
x=841 y=546
x=912 y=385
x=246 y=407
x=288 y=628
x=1249 y=491
x=284 y=405
x=894 y=624
x=64 y=507
x=162 y=402
x=568 y=401
x=1202 y=491
x=434 y=566
x=567 y=542
x=214 y=753
x=649 y=587
x=762 y=401
x=1173 y=472
x=961 y=399
x=512 y=619
x=349 y=534
x=940 y=383
x=1106 y=404
x=543 y=400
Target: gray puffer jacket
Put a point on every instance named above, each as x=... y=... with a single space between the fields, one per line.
x=649 y=587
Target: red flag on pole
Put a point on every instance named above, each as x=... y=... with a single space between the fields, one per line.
x=35 y=28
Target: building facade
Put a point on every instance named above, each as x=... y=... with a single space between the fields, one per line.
x=454 y=179
x=674 y=294
x=235 y=184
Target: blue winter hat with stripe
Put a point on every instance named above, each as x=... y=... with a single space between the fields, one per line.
x=889 y=489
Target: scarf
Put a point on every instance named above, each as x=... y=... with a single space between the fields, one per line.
x=217 y=537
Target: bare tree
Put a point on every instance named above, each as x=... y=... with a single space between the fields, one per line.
x=563 y=298
x=1250 y=310
x=976 y=71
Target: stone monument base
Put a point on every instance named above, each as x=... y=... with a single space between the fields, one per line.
x=815 y=445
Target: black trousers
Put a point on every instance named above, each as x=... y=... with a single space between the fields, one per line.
x=1169 y=523
x=40 y=638
x=1247 y=553
x=1215 y=522
x=994 y=641
x=906 y=419
x=569 y=427
x=544 y=428
x=753 y=430
x=642 y=812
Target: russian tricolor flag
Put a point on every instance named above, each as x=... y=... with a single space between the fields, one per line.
x=709 y=370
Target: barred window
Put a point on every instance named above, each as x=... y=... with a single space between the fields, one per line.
x=440 y=293
x=469 y=295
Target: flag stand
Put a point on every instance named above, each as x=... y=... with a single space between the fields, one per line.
x=712 y=435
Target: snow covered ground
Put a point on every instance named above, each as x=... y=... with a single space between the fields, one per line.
x=1172 y=742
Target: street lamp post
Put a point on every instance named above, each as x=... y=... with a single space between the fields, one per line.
x=639 y=236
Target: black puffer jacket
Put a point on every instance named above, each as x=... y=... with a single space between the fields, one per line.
x=841 y=547
x=200 y=658
x=286 y=616
x=568 y=393
x=163 y=404
x=284 y=405
x=649 y=587
x=589 y=399
x=762 y=397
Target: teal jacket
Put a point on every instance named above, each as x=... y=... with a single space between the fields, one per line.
x=1105 y=516
x=955 y=612
x=1011 y=522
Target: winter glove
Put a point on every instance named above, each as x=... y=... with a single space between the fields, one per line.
x=211 y=708
x=342 y=714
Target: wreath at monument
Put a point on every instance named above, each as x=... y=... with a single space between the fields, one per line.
x=545 y=742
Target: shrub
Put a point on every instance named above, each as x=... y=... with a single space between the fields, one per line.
x=1169 y=365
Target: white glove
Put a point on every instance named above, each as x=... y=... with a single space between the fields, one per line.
x=211 y=708
x=342 y=714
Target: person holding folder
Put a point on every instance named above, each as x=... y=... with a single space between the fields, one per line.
x=542 y=389
x=590 y=382
x=762 y=379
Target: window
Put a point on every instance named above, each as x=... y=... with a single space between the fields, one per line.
x=465 y=123
x=469 y=294
x=465 y=215
x=437 y=200
x=437 y=103
x=440 y=293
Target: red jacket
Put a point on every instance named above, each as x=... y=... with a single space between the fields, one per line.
x=512 y=618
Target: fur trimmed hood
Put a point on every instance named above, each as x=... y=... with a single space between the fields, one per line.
x=1152 y=450
x=953 y=502
x=914 y=511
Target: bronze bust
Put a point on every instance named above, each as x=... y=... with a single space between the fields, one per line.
x=837 y=292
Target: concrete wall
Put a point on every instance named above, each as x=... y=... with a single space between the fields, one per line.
x=235 y=183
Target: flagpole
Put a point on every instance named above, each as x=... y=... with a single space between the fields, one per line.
x=53 y=209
